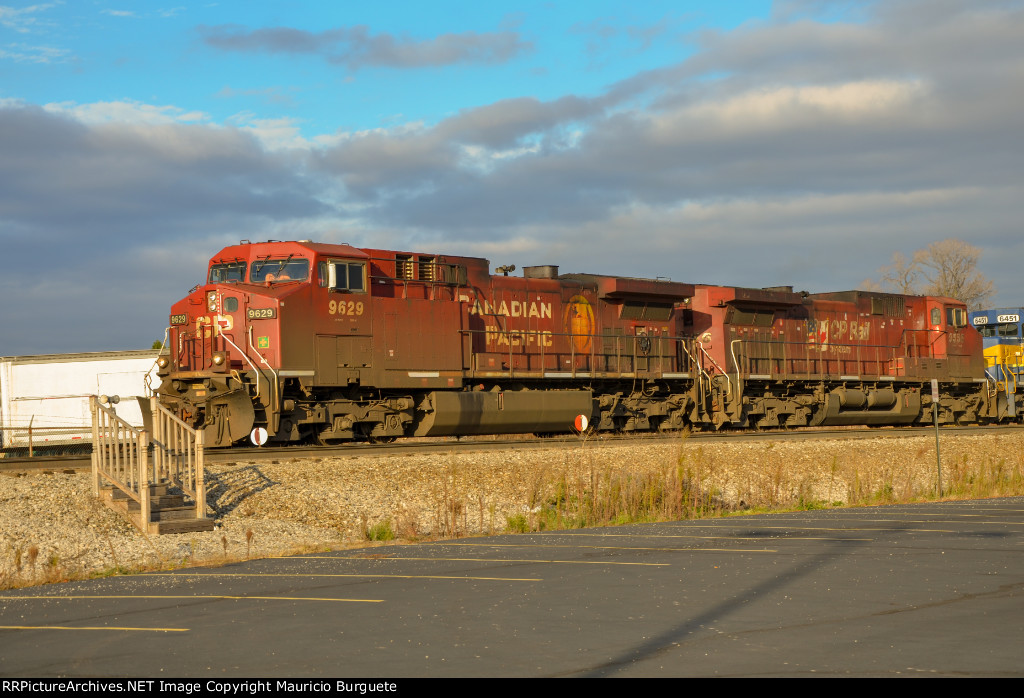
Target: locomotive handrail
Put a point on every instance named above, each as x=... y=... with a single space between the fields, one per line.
x=787 y=363
x=518 y=341
x=181 y=347
x=148 y=379
x=732 y=350
x=854 y=358
x=693 y=361
x=702 y=375
x=1006 y=370
x=859 y=355
x=715 y=364
x=197 y=335
x=266 y=363
x=245 y=356
x=929 y=344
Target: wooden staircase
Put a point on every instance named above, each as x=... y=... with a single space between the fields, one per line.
x=168 y=513
x=133 y=470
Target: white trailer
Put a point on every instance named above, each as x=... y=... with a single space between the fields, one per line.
x=44 y=399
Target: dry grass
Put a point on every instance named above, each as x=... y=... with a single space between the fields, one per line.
x=27 y=570
x=55 y=571
x=716 y=480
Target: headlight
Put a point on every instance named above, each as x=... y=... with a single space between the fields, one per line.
x=219 y=358
x=162 y=362
x=211 y=301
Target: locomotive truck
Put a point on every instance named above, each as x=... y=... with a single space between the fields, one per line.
x=291 y=341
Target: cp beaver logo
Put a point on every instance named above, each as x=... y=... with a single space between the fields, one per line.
x=579 y=322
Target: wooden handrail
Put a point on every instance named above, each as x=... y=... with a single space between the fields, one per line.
x=121 y=455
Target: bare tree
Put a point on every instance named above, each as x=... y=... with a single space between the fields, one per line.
x=950 y=268
x=903 y=275
x=947 y=268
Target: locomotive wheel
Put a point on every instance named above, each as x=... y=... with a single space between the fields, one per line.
x=314 y=438
x=320 y=441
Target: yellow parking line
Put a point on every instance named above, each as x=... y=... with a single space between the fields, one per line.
x=196 y=596
x=761 y=528
x=946 y=518
x=627 y=547
x=89 y=627
x=645 y=535
x=483 y=559
x=194 y=575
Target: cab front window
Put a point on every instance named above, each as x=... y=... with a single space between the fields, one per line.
x=280 y=270
x=1008 y=329
x=230 y=272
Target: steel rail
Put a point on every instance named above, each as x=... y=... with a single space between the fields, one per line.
x=452 y=444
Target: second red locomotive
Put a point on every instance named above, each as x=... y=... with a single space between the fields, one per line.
x=334 y=343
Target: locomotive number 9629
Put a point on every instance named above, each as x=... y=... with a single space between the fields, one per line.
x=345 y=307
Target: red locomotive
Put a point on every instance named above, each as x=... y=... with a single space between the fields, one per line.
x=334 y=343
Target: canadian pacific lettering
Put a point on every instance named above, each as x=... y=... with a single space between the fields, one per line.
x=515 y=308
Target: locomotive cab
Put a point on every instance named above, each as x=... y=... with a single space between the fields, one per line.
x=1000 y=330
x=237 y=341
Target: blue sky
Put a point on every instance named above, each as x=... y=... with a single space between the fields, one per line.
x=288 y=62
x=745 y=143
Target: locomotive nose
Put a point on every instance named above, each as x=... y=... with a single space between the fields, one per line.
x=219 y=405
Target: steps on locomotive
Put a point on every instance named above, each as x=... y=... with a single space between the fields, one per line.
x=168 y=512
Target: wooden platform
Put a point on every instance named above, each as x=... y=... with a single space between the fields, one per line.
x=168 y=512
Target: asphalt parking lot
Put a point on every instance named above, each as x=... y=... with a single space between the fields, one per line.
x=932 y=589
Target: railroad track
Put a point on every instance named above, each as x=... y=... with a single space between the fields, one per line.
x=78 y=463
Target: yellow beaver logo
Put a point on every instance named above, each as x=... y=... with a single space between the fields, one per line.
x=579 y=322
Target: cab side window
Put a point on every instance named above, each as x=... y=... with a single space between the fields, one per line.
x=342 y=276
x=956 y=317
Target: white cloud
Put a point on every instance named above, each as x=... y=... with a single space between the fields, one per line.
x=781 y=107
x=750 y=213
x=21 y=19
x=24 y=53
x=127 y=112
x=484 y=159
x=274 y=134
